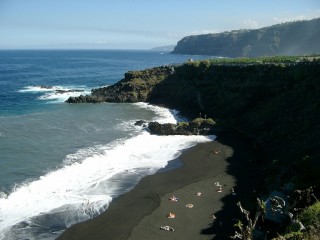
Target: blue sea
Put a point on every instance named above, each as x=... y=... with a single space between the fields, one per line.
x=61 y=163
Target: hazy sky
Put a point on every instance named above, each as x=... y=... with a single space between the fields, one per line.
x=135 y=24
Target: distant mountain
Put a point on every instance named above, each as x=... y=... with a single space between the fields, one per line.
x=163 y=48
x=292 y=38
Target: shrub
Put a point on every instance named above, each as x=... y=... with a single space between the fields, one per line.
x=311 y=215
x=310 y=218
x=199 y=121
x=183 y=124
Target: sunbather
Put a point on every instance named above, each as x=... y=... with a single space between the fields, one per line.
x=173 y=198
x=189 y=205
x=171 y=215
x=167 y=228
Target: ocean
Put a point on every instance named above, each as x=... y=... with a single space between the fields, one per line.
x=61 y=163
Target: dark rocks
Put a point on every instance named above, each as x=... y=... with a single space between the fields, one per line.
x=60 y=91
x=162 y=129
x=198 y=126
x=85 y=99
x=137 y=86
x=43 y=86
x=141 y=123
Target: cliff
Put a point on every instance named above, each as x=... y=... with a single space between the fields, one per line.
x=275 y=101
x=294 y=38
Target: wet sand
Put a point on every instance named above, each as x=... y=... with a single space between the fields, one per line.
x=139 y=214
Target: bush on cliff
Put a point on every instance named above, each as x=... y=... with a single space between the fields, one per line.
x=310 y=218
x=201 y=121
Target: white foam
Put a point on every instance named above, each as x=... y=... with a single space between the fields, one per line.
x=164 y=115
x=38 y=88
x=56 y=94
x=86 y=182
x=62 y=96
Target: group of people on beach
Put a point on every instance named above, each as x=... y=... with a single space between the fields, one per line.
x=173 y=215
x=190 y=205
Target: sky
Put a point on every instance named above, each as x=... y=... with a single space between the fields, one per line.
x=136 y=24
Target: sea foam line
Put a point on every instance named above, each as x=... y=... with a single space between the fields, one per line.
x=55 y=94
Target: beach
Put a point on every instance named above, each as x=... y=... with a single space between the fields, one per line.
x=140 y=213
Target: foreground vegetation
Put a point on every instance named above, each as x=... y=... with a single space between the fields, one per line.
x=310 y=217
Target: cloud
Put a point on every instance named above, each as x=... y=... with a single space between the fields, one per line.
x=204 y=31
x=250 y=24
x=101 y=42
x=289 y=19
x=179 y=35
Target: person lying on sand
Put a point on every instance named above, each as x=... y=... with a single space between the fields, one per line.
x=219 y=189
x=167 y=228
x=171 y=215
x=217 y=184
x=198 y=194
x=189 y=205
x=173 y=199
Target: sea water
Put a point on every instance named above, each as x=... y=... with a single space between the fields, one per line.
x=61 y=163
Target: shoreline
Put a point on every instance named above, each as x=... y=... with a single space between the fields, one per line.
x=141 y=212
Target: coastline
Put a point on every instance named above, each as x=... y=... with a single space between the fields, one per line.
x=139 y=213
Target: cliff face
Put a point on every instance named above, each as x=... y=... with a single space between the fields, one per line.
x=277 y=104
x=295 y=38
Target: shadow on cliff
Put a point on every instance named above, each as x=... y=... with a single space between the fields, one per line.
x=244 y=166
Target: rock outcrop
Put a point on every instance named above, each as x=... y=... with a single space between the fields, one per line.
x=198 y=126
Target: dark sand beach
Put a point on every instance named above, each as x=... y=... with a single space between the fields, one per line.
x=139 y=214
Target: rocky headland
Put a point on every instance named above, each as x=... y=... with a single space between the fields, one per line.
x=292 y=38
x=137 y=86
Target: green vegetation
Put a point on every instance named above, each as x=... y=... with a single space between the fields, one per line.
x=183 y=124
x=310 y=218
x=273 y=60
x=311 y=215
x=199 y=121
